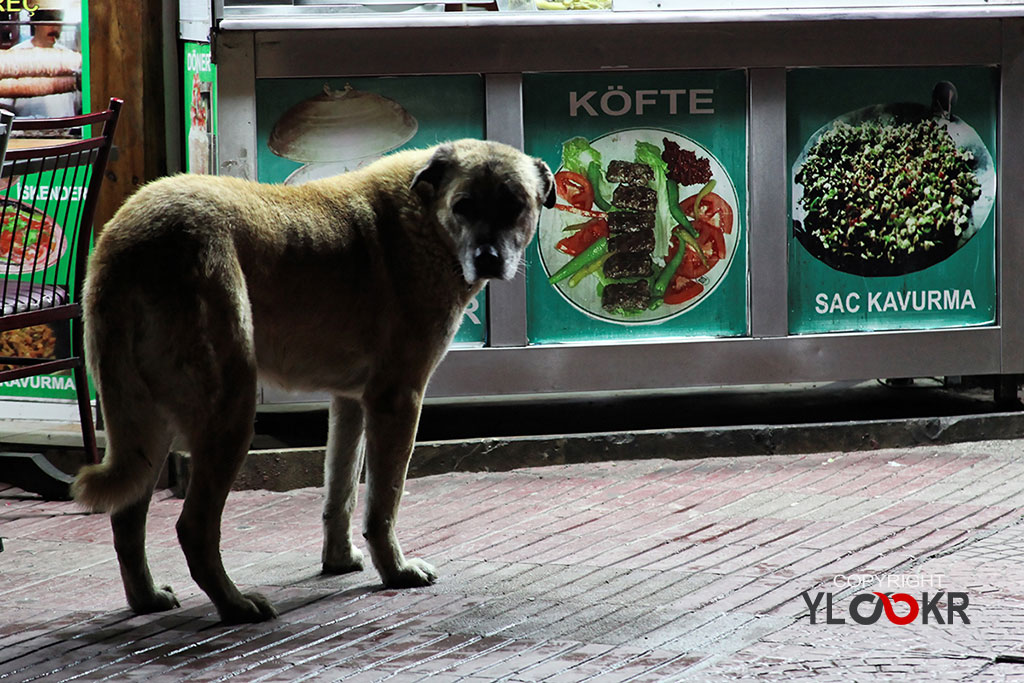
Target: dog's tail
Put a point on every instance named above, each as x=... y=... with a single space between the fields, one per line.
x=138 y=437
x=113 y=484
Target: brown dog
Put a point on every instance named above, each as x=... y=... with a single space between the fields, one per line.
x=354 y=284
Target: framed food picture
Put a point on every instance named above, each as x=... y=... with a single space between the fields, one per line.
x=44 y=54
x=313 y=128
x=647 y=238
x=892 y=202
x=891 y=189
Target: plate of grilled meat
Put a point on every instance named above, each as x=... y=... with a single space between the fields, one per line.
x=644 y=228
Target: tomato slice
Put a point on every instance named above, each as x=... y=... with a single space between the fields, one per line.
x=711 y=238
x=691 y=267
x=713 y=209
x=589 y=232
x=682 y=289
x=712 y=243
x=575 y=189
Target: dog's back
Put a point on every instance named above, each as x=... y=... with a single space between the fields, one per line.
x=177 y=278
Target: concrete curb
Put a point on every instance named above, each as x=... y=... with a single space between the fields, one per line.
x=289 y=468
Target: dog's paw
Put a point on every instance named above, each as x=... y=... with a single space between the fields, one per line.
x=253 y=607
x=350 y=560
x=413 y=574
x=160 y=600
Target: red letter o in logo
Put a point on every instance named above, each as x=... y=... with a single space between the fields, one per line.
x=890 y=613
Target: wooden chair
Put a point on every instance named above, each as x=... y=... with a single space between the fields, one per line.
x=49 y=187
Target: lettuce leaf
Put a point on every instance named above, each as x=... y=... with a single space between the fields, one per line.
x=649 y=154
x=577 y=155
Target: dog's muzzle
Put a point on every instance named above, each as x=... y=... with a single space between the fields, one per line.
x=487 y=262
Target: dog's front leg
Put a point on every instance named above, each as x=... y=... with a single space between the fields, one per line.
x=392 y=413
x=344 y=463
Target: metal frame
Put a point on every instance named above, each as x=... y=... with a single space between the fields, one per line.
x=506 y=301
x=272 y=15
x=502 y=47
x=1010 y=203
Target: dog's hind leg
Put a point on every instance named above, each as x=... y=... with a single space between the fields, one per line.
x=219 y=443
x=129 y=525
x=344 y=463
x=216 y=412
x=138 y=442
x=392 y=414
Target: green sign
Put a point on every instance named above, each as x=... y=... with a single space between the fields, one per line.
x=61 y=88
x=648 y=236
x=200 y=109
x=314 y=128
x=892 y=198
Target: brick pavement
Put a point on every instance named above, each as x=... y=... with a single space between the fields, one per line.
x=645 y=570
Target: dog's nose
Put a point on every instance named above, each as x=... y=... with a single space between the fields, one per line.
x=487 y=261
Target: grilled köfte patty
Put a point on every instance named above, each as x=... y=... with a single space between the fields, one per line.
x=626 y=264
x=628 y=296
x=640 y=242
x=630 y=221
x=634 y=197
x=629 y=172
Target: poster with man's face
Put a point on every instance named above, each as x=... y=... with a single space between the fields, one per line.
x=41 y=58
x=44 y=73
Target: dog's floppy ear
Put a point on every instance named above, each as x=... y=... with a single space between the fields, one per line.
x=547 y=183
x=433 y=173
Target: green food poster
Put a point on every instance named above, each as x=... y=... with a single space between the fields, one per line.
x=63 y=27
x=649 y=254
x=314 y=128
x=892 y=198
x=200 y=109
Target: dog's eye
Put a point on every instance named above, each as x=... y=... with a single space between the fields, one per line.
x=464 y=208
x=508 y=202
x=511 y=205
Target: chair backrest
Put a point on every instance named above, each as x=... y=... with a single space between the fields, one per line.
x=48 y=193
x=6 y=118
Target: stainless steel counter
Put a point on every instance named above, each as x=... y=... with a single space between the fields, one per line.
x=297 y=42
x=317 y=17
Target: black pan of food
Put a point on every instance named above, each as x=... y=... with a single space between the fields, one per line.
x=892 y=189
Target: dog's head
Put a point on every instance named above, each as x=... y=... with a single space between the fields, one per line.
x=486 y=197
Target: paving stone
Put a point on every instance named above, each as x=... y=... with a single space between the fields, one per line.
x=641 y=570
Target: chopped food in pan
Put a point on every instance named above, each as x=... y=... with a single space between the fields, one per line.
x=887 y=192
x=38 y=341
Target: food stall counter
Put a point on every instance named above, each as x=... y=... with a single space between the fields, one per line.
x=813 y=245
